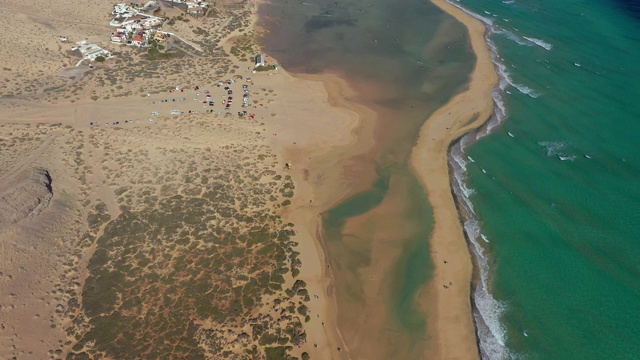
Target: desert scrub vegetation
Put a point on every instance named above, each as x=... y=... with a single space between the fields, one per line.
x=197 y=242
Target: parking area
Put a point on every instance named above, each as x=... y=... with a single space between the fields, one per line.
x=214 y=99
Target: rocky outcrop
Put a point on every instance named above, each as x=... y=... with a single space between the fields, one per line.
x=27 y=196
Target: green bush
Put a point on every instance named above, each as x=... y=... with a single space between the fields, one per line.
x=277 y=353
x=265 y=68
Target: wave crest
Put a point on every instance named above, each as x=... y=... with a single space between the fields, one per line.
x=543 y=44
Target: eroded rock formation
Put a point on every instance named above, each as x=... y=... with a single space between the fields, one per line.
x=25 y=196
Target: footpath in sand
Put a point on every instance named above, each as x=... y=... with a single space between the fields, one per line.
x=450 y=314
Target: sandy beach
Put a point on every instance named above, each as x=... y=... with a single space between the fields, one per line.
x=448 y=303
x=316 y=124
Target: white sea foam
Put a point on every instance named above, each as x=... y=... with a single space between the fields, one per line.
x=485 y=20
x=559 y=149
x=553 y=148
x=487 y=310
x=520 y=40
x=543 y=44
x=492 y=334
x=512 y=36
x=505 y=77
x=526 y=90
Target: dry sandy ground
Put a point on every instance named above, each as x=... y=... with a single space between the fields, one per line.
x=36 y=250
x=294 y=128
x=33 y=56
x=450 y=316
x=44 y=256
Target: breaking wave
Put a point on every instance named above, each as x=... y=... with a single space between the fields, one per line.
x=505 y=76
x=543 y=44
x=523 y=40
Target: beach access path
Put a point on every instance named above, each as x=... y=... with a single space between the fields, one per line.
x=448 y=302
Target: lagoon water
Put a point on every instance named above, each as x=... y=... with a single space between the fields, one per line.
x=556 y=189
x=403 y=59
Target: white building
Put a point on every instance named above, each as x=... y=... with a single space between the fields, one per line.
x=85 y=48
x=123 y=10
x=260 y=60
x=118 y=37
x=195 y=8
x=92 y=51
x=151 y=22
x=92 y=55
x=149 y=4
x=120 y=8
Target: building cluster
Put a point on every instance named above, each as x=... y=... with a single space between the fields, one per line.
x=133 y=27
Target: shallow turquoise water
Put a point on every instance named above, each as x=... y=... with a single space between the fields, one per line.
x=557 y=188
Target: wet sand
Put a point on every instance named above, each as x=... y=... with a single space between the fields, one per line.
x=450 y=314
x=315 y=129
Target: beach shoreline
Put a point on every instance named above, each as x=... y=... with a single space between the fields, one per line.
x=451 y=326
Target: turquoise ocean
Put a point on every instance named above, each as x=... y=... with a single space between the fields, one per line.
x=552 y=183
